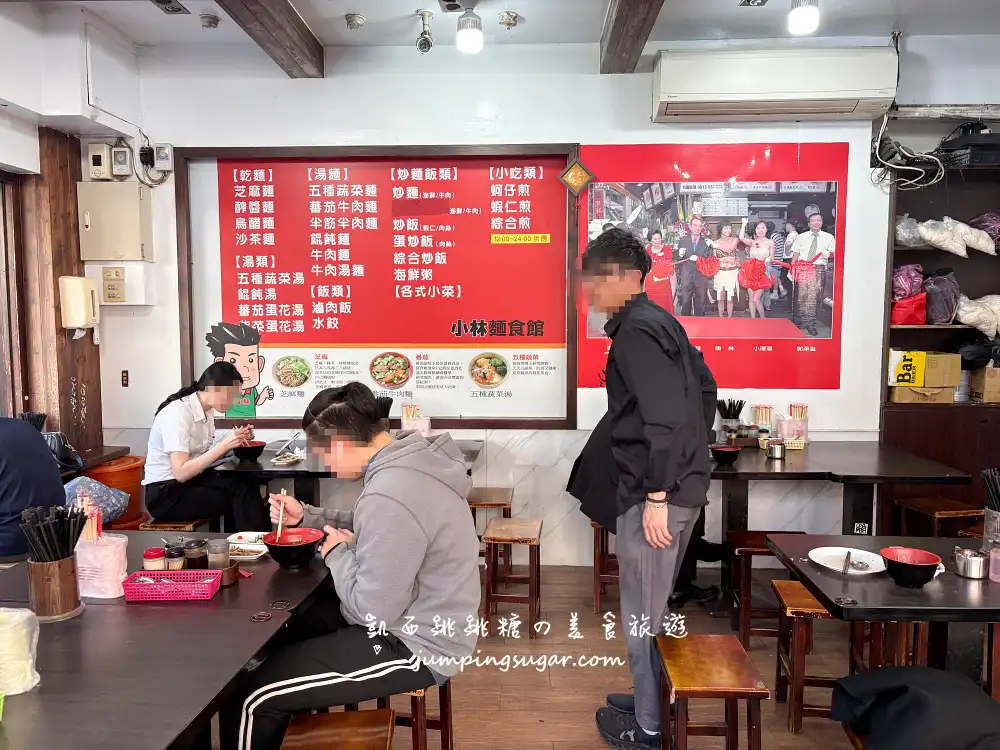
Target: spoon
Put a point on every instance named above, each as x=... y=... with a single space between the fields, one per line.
x=859 y=565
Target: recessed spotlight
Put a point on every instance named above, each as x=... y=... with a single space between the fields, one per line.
x=355 y=21
x=803 y=18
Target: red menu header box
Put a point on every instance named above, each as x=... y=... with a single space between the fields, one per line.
x=428 y=252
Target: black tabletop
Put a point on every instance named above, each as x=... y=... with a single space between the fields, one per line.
x=267 y=583
x=124 y=678
x=843 y=462
x=310 y=467
x=948 y=598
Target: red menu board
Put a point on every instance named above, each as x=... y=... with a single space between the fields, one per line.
x=338 y=264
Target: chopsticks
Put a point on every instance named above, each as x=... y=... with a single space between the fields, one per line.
x=53 y=532
x=281 y=517
x=730 y=408
x=384 y=406
x=991 y=483
x=34 y=418
x=847 y=563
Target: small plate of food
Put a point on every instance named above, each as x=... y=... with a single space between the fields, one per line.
x=291 y=371
x=391 y=370
x=247 y=552
x=288 y=458
x=246 y=537
x=488 y=370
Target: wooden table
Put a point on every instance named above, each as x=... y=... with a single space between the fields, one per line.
x=122 y=676
x=307 y=473
x=859 y=466
x=268 y=582
x=876 y=597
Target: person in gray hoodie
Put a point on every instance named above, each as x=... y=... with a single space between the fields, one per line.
x=402 y=613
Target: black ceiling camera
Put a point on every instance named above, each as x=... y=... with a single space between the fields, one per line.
x=425 y=42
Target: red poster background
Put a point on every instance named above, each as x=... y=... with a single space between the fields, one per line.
x=508 y=282
x=738 y=365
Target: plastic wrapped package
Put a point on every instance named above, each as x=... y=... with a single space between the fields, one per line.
x=911 y=311
x=977 y=239
x=101 y=566
x=937 y=234
x=992 y=301
x=989 y=222
x=974 y=313
x=942 y=299
x=18 y=646
x=113 y=503
x=907 y=281
x=907 y=232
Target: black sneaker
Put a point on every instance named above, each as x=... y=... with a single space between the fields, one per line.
x=623 y=731
x=696 y=594
x=623 y=703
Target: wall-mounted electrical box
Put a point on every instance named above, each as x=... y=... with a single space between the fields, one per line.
x=78 y=302
x=99 y=161
x=116 y=221
x=122 y=282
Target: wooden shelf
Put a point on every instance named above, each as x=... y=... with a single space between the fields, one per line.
x=946 y=328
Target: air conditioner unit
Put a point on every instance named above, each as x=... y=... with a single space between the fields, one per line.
x=856 y=83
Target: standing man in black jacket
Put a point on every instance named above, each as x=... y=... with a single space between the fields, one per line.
x=659 y=393
x=691 y=287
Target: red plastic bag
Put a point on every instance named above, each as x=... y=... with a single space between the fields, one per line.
x=911 y=311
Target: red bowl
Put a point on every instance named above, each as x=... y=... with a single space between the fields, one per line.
x=910 y=556
x=294 y=537
x=297 y=547
x=910 y=567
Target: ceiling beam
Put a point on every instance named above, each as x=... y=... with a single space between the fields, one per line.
x=626 y=31
x=279 y=30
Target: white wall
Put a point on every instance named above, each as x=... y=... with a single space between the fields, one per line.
x=18 y=145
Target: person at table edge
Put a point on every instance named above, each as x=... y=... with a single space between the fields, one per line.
x=29 y=478
x=405 y=570
x=180 y=483
x=658 y=387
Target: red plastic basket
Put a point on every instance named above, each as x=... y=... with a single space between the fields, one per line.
x=190 y=585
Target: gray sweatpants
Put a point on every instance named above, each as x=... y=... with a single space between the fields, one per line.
x=646 y=580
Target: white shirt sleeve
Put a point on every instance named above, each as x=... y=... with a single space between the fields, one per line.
x=176 y=431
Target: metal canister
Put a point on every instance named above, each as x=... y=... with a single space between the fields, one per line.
x=971 y=563
x=775 y=450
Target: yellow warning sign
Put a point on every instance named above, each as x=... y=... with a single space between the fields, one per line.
x=520 y=239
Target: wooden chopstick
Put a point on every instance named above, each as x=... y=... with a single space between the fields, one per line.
x=281 y=517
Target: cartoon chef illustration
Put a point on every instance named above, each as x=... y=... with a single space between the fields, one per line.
x=239 y=344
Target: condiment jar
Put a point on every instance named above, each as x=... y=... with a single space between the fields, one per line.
x=154 y=558
x=196 y=554
x=218 y=554
x=175 y=558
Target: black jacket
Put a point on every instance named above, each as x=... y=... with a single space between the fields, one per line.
x=686 y=248
x=594 y=478
x=661 y=407
x=29 y=478
x=917 y=708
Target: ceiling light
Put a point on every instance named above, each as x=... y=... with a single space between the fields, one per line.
x=803 y=18
x=469 y=38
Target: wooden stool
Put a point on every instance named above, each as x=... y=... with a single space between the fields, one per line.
x=857 y=741
x=180 y=526
x=709 y=666
x=509 y=531
x=976 y=532
x=493 y=497
x=744 y=546
x=418 y=721
x=797 y=608
x=937 y=509
x=345 y=730
x=890 y=644
x=605 y=564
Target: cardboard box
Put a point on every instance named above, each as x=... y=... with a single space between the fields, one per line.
x=985 y=386
x=924 y=369
x=911 y=395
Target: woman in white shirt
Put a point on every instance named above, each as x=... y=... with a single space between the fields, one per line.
x=180 y=483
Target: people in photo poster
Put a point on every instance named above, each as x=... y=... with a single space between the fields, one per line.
x=731 y=249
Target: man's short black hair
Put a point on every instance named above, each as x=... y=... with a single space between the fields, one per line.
x=235 y=334
x=607 y=226
x=616 y=247
x=349 y=412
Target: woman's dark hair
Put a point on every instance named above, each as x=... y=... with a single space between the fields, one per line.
x=349 y=411
x=219 y=374
x=654 y=232
x=616 y=248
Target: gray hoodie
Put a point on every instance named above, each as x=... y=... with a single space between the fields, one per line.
x=415 y=562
